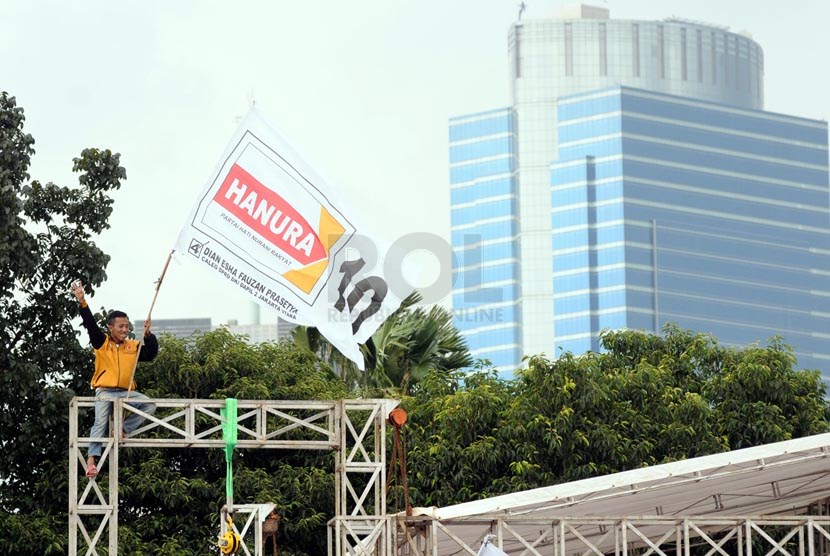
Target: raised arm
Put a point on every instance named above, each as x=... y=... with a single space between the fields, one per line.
x=96 y=337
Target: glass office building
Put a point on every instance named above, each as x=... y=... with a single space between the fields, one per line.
x=667 y=209
x=485 y=228
x=647 y=186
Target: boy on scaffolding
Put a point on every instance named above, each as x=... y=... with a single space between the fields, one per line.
x=115 y=360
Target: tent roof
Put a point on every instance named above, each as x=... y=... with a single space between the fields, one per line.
x=783 y=477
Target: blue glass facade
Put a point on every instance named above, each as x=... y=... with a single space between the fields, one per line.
x=484 y=226
x=634 y=180
x=667 y=209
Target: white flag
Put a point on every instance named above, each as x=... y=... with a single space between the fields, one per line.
x=489 y=549
x=268 y=224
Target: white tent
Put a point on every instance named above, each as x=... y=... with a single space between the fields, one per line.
x=720 y=492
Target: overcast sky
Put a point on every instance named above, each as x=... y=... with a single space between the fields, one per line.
x=365 y=88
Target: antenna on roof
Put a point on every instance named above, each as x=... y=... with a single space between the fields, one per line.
x=522 y=8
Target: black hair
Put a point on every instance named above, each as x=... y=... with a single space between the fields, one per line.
x=114 y=315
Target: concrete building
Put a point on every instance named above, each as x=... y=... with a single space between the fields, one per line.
x=259 y=333
x=180 y=328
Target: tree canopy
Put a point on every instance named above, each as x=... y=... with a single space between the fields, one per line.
x=410 y=343
x=646 y=399
x=46 y=240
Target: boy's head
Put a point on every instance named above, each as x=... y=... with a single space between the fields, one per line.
x=118 y=325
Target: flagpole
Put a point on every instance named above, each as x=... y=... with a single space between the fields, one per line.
x=158 y=285
x=149 y=313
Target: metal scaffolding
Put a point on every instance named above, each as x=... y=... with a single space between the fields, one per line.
x=770 y=499
x=781 y=487
x=354 y=429
x=621 y=536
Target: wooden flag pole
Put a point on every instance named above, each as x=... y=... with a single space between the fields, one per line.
x=158 y=284
x=149 y=313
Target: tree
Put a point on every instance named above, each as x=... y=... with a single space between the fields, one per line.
x=646 y=399
x=410 y=343
x=46 y=239
x=761 y=399
x=414 y=341
x=455 y=447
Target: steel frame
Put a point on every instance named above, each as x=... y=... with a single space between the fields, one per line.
x=805 y=535
x=354 y=429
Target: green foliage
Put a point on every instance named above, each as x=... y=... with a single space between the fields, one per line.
x=647 y=399
x=408 y=345
x=46 y=240
x=453 y=437
x=762 y=400
x=412 y=342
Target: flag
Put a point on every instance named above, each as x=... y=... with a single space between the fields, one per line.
x=269 y=225
x=489 y=549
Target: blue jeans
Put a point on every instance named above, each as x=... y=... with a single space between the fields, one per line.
x=103 y=410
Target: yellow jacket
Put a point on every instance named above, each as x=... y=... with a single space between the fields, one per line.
x=115 y=363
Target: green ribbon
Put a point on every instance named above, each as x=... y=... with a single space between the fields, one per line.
x=229 y=436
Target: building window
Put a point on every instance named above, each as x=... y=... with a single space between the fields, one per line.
x=737 y=65
x=661 y=54
x=683 y=68
x=635 y=49
x=725 y=60
x=714 y=50
x=603 y=49
x=699 y=40
x=569 y=49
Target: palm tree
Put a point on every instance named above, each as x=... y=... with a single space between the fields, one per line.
x=310 y=338
x=410 y=343
x=414 y=341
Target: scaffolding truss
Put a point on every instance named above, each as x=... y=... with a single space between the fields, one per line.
x=621 y=536
x=770 y=499
x=354 y=429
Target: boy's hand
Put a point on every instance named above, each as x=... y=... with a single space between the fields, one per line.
x=78 y=290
